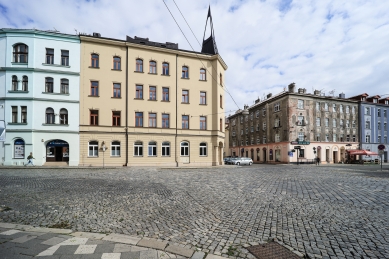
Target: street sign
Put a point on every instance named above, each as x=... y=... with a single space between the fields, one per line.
x=381 y=147
x=381 y=152
x=297 y=147
x=304 y=142
x=294 y=142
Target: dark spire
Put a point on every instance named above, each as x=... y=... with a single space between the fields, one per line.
x=209 y=45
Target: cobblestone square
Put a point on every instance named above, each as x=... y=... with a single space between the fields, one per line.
x=324 y=212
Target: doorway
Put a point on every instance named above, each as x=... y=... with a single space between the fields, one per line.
x=335 y=156
x=264 y=155
x=57 y=151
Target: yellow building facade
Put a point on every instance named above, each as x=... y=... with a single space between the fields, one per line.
x=145 y=103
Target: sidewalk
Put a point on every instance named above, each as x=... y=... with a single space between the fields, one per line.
x=23 y=241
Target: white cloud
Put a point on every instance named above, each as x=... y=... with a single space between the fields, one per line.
x=322 y=44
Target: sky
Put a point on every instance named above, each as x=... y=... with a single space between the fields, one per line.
x=337 y=46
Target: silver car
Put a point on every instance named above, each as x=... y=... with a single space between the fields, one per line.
x=242 y=161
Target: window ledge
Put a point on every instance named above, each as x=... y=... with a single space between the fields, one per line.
x=165 y=101
x=116 y=97
x=116 y=69
x=94 y=96
x=184 y=103
x=93 y=157
x=203 y=104
x=153 y=100
x=55 y=93
x=138 y=72
x=202 y=80
x=115 y=156
x=138 y=98
x=18 y=63
x=53 y=124
x=185 y=78
x=18 y=92
x=137 y=156
x=152 y=73
x=17 y=123
x=54 y=65
x=164 y=75
x=94 y=67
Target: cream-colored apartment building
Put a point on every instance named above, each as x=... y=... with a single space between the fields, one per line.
x=145 y=103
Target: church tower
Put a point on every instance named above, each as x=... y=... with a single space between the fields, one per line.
x=209 y=44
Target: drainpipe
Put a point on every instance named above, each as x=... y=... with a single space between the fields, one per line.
x=126 y=113
x=175 y=140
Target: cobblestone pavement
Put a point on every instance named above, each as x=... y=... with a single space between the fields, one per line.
x=323 y=212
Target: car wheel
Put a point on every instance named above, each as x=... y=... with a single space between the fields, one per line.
x=237 y=163
x=250 y=163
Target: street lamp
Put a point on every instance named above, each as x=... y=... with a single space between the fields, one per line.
x=103 y=147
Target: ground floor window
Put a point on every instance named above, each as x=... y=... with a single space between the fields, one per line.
x=184 y=148
x=138 y=148
x=152 y=148
x=165 y=149
x=93 y=148
x=115 y=148
x=19 y=148
x=301 y=153
x=203 y=149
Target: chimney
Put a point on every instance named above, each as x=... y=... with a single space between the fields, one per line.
x=300 y=90
x=269 y=95
x=317 y=92
x=304 y=91
x=342 y=95
x=291 y=87
x=96 y=34
x=258 y=100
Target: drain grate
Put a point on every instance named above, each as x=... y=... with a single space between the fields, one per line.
x=272 y=250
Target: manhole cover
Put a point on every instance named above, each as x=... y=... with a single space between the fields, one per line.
x=272 y=250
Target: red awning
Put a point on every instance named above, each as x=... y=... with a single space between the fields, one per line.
x=362 y=152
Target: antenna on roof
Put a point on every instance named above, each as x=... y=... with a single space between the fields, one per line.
x=332 y=92
x=76 y=31
x=55 y=29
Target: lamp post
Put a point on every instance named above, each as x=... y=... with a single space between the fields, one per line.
x=103 y=147
x=314 y=152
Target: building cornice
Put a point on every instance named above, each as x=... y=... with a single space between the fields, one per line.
x=38 y=99
x=38 y=33
x=39 y=70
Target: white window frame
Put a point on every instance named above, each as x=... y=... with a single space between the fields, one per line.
x=300 y=104
x=203 y=149
x=138 y=148
x=277 y=107
x=115 y=148
x=184 y=148
x=152 y=149
x=95 y=149
x=165 y=148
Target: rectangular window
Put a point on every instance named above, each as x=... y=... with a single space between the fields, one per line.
x=49 y=56
x=385 y=140
x=384 y=113
x=165 y=120
x=379 y=139
x=221 y=125
x=116 y=63
x=367 y=110
x=379 y=125
x=94 y=89
x=165 y=94
x=300 y=104
x=264 y=126
x=379 y=112
x=94 y=117
x=384 y=125
x=153 y=67
x=185 y=96
x=327 y=122
x=139 y=92
x=334 y=123
x=115 y=148
x=152 y=120
x=95 y=60
x=277 y=107
x=326 y=107
x=367 y=124
x=300 y=120
x=347 y=138
x=327 y=138
x=334 y=137
x=185 y=72
x=203 y=123
x=277 y=137
x=152 y=93
x=165 y=69
x=347 y=109
x=301 y=136
x=221 y=101
x=24 y=114
x=301 y=153
x=116 y=118
x=317 y=137
x=318 y=106
x=334 y=107
x=202 y=75
x=318 y=122
x=264 y=112
x=14 y=114
x=139 y=119
x=257 y=114
x=203 y=98
x=116 y=90
x=165 y=149
x=367 y=138
x=64 y=86
x=139 y=65
x=185 y=121
x=65 y=57
x=264 y=140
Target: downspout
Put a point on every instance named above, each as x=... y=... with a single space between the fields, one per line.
x=175 y=140
x=126 y=113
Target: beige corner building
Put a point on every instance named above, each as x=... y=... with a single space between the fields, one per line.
x=145 y=103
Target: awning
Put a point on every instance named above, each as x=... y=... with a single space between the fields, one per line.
x=362 y=152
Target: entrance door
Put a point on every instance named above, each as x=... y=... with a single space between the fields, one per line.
x=335 y=156
x=327 y=155
x=264 y=156
x=57 y=150
x=58 y=153
x=184 y=152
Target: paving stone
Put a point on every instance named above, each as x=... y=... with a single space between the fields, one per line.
x=110 y=256
x=66 y=249
x=10 y=232
x=130 y=255
x=53 y=241
x=149 y=254
x=88 y=235
x=118 y=248
x=122 y=239
x=86 y=249
x=74 y=241
x=198 y=255
x=105 y=248
x=174 y=249
x=23 y=239
x=152 y=243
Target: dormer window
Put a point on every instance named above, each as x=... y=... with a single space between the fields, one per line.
x=375 y=100
x=386 y=102
x=363 y=99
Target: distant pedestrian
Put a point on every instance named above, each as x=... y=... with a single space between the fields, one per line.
x=318 y=161
x=29 y=159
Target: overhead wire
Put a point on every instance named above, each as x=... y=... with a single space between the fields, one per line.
x=225 y=87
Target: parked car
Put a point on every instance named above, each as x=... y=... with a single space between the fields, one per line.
x=242 y=161
x=227 y=160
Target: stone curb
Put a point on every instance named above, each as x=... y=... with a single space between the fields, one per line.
x=119 y=238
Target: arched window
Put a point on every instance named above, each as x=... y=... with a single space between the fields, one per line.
x=165 y=148
x=25 y=84
x=20 y=54
x=139 y=65
x=14 y=83
x=64 y=86
x=203 y=149
x=63 y=116
x=50 y=117
x=138 y=148
x=115 y=148
x=184 y=148
x=185 y=72
x=165 y=68
x=153 y=67
x=93 y=147
x=202 y=74
x=19 y=148
x=116 y=63
x=152 y=148
x=49 y=84
x=94 y=60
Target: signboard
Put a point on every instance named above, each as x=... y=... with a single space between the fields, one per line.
x=297 y=147
x=381 y=152
x=381 y=147
x=294 y=142
x=300 y=142
x=2 y=131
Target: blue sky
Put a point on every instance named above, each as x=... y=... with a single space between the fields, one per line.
x=267 y=44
